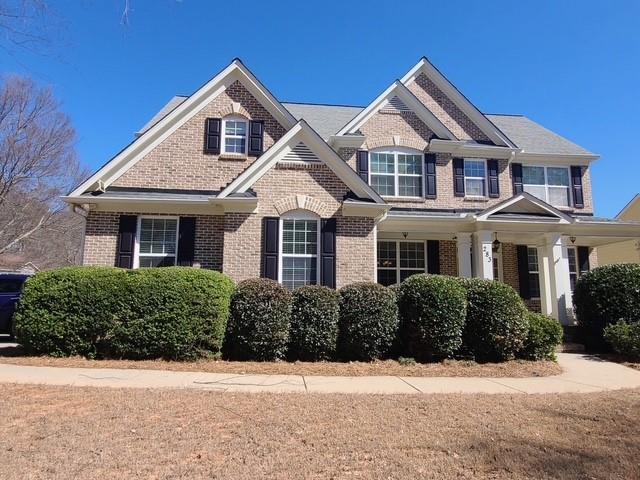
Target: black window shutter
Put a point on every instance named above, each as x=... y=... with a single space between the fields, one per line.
x=494 y=186
x=583 y=260
x=433 y=256
x=126 y=240
x=576 y=183
x=212 y=135
x=186 y=241
x=430 y=175
x=523 y=272
x=458 y=177
x=362 y=165
x=516 y=177
x=328 y=253
x=270 y=234
x=256 y=137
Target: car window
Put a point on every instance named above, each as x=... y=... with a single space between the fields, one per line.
x=10 y=285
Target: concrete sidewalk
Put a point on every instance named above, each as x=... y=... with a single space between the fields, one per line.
x=582 y=373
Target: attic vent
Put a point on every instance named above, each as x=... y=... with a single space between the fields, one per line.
x=300 y=153
x=395 y=105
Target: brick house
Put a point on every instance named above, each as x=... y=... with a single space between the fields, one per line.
x=229 y=178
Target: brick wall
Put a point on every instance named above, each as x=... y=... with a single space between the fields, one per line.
x=449 y=257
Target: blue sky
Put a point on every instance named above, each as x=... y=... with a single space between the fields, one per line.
x=572 y=66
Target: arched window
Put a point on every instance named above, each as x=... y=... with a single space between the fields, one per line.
x=299 y=244
x=397 y=172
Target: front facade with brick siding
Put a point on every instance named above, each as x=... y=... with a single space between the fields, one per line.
x=231 y=179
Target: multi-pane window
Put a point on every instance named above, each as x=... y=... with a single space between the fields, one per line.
x=534 y=272
x=399 y=260
x=475 y=178
x=299 y=252
x=235 y=136
x=396 y=174
x=572 y=256
x=157 y=242
x=550 y=184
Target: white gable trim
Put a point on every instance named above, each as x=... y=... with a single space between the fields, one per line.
x=526 y=197
x=301 y=132
x=155 y=135
x=397 y=89
x=462 y=102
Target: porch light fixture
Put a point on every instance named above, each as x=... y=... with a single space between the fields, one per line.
x=405 y=234
x=495 y=246
x=573 y=239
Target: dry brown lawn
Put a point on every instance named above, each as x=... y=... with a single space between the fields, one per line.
x=449 y=368
x=89 y=433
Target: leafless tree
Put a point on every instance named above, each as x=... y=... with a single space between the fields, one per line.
x=37 y=164
x=28 y=25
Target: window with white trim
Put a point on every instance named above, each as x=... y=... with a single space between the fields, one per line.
x=574 y=272
x=475 y=177
x=234 y=136
x=534 y=272
x=397 y=173
x=299 y=241
x=551 y=184
x=157 y=241
x=398 y=260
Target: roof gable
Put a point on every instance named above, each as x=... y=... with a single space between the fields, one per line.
x=179 y=115
x=523 y=205
x=313 y=147
x=398 y=96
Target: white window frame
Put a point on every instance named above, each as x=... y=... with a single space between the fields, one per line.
x=485 y=179
x=573 y=249
x=136 y=249
x=546 y=183
x=224 y=135
x=398 y=268
x=396 y=176
x=497 y=257
x=298 y=215
x=537 y=272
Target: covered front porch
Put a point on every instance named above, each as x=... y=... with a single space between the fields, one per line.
x=537 y=249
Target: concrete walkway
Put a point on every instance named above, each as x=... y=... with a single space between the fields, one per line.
x=581 y=374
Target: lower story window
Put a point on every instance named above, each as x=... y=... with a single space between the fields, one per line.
x=399 y=260
x=157 y=242
x=534 y=272
x=299 y=253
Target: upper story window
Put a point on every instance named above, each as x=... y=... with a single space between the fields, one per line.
x=299 y=240
x=475 y=178
x=550 y=184
x=397 y=173
x=157 y=241
x=234 y=138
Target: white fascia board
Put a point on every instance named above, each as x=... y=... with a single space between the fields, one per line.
x=486 y=125
x=552 y=158
x=476 y=150
x=150 y=139
x=301 y=132
x=364 y=209
x=236 y=205
x=346 y=141
x=99 y=199
x=399 y=90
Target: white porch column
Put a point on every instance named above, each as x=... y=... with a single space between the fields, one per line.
x=464 y=255
x=483 y=254
x=555 y=289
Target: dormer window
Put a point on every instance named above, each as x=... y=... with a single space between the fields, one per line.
x=234 y=136
x=397 y=173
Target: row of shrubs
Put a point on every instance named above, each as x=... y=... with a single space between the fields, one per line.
x=183 y=313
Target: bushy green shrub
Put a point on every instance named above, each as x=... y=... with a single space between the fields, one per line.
x=606 y=295
x=432 y=316
x=624 y=338
x=496 y=325
x=544 y=335
x=259 y=320
x=314 y=323
x=368 y=321
x=103 y=312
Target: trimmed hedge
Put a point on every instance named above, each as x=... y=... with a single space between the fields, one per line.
x=368 y=321
x=432 y=313
x=258 y=327
x=314 y=323
x=496 y=326
x=604 y=296
x=102 y=312
x=624 y=338
x=544 y=335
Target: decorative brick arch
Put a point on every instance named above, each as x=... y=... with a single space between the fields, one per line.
x=234 y=109
x=302 y=202
x=396 y=141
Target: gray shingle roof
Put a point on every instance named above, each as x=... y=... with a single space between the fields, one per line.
x=329 y=119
